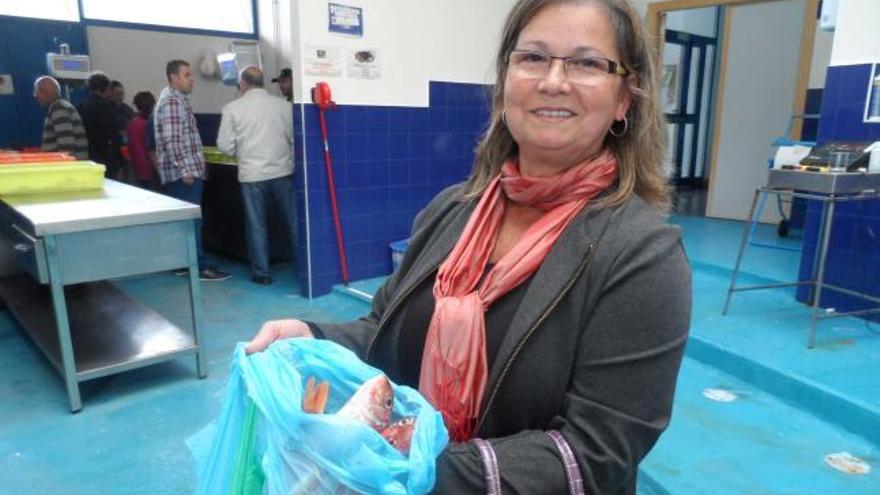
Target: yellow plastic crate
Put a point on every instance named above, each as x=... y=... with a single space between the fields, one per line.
x=214 y=155
x=36 y=178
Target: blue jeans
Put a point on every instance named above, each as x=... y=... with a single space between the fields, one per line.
x=190 y=194
x=258 y=197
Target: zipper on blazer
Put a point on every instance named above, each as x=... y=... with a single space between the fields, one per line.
x=528 y=335
x=391 y=309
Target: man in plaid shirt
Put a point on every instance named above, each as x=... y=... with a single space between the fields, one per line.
x=179 y=155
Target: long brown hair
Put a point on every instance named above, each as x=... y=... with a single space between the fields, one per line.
x=640 y=152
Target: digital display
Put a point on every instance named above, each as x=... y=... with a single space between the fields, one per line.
x=228 y=69
x=74 y=65
x=71 y=65
x=67 y=66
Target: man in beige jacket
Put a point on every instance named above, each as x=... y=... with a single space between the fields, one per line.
x=257 y=128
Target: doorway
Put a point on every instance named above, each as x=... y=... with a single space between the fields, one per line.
x=688 y=79
x=719 y=133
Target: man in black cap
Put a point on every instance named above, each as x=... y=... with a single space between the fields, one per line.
x=285 y=83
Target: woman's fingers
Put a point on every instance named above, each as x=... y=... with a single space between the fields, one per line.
x=276 y=330
x=267 y=334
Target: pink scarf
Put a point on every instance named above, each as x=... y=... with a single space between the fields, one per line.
x=454 y=370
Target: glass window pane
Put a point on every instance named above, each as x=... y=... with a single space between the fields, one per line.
x=692 y=84
x=671 y=76
x=56 y=10
x=687 y=146
x=235 y=16
x=670 y=149
x=702 y=145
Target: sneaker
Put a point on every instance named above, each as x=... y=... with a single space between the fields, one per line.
x=261 y=279
x=212 y=275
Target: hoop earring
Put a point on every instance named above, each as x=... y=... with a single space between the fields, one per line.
x=618 y=134
x=504 y=117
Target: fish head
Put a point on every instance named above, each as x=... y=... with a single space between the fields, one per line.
x=372 y=403
x=381 y=401
x=399 y=434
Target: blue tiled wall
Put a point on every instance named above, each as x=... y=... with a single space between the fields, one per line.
x=388 y=163
x=23 y=46
x=854 y=251
x=812 y=106
x=843 y=105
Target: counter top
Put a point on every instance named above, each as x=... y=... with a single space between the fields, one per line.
x=117 y=205
x=825 y=182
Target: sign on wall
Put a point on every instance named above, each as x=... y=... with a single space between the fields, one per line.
x=363 y=64
x=323 y=60
x=344 y=19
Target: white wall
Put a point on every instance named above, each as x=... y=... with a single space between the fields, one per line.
x=417 y=40
x=276 y=44
x=856 y=37
x=137 y=58
x=641 y=6
x=757 y=101
x=822 y=43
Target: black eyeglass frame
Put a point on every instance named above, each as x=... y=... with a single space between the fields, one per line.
x=614 y=67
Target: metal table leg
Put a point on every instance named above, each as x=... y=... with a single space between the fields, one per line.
x=62 y=324
x=820 y=234
x=753 y=215
x=195 y=300
x=825 y=229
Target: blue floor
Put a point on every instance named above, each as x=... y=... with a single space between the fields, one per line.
x=795 y=406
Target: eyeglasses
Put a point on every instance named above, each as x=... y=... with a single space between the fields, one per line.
x=579 y=70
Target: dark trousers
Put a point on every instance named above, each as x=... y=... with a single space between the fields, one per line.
x=258 y=197
x=190 y=194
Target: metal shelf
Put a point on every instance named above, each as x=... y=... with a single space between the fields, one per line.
x=110 y=331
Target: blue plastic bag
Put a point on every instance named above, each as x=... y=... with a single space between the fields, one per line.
x=313 y=453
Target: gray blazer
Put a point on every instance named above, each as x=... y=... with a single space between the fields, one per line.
x=593 y=351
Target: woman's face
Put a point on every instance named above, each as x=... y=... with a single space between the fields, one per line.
x=553 y=119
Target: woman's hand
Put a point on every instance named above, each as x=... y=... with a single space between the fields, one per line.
x=277 y=330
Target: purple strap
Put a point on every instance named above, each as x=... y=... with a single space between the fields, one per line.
x=572 y=471
x=490 y=466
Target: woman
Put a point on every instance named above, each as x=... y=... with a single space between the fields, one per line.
x=544 y=305
x=136 y=133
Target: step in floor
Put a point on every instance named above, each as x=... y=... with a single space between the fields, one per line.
x=756 y=444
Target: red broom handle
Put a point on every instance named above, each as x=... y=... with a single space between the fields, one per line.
x=328 y=161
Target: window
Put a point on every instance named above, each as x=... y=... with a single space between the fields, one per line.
x=56 y=10
x=234 y=16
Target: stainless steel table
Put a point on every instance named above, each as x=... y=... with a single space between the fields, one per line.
x=57 y=253
x=830 y=189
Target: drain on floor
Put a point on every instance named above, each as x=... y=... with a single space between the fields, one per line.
x=847 y=463
x=719 y=395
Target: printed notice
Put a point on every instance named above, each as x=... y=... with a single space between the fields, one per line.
x=364 y=64
x=322 y=60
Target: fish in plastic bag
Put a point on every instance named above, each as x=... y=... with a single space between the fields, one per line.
x=358 y=451
x=398 y=434
x=371 y=405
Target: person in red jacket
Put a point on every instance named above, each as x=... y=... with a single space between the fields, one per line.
x=136 y=134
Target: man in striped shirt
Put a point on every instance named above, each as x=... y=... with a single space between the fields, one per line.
x=180 y=161
x=63 y=128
